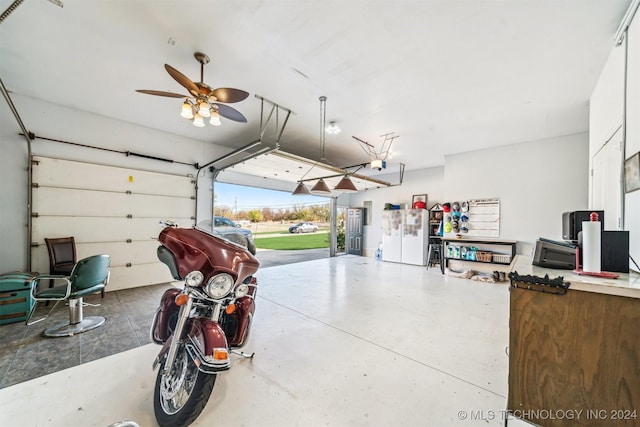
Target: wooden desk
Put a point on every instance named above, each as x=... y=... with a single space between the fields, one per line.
x=575 y=352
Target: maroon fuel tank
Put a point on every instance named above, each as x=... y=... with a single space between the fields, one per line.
x=195 y=249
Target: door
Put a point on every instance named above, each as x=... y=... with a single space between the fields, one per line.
x=607 y=182
x=354 y=231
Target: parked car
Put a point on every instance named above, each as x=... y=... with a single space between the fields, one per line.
x=225 y=227
x=303 y=227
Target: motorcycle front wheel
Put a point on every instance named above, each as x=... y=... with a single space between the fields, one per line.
x=181 y=395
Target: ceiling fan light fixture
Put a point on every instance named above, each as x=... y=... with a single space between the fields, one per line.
x=198 y=121
x=187 y=112
x=346 y=185
x=202 y=99
x=215 y=118
x=300 y=190
x=320 y=188
x=204 y=109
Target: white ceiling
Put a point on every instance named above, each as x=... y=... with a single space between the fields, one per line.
x=446 y=75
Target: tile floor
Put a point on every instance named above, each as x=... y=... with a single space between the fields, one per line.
x=25 y=353
x=345 y=341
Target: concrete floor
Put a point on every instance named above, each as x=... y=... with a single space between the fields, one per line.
x=271 y=258
x=345 y=341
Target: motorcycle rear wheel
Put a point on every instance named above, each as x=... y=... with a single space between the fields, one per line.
x=181 y=395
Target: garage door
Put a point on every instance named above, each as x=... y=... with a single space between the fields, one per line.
x=108 y=210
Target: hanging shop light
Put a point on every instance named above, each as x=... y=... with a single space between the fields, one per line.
x=346 y=185
x=320 y=188
x=300 y=190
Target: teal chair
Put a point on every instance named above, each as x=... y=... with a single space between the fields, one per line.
x=89 y=275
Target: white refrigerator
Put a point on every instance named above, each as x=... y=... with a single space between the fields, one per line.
x=405 y=234
x=415 y=236
x=392 y=235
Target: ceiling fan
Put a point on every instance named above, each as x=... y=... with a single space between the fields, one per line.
x=203 y=101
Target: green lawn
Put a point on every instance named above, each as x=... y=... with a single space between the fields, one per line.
x=285 y=232
x=294 y=241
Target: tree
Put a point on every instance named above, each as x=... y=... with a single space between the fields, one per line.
x=267 y=214
x=222 y=210
x=254 y=215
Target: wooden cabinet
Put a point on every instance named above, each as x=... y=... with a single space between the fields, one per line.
x=574 y=359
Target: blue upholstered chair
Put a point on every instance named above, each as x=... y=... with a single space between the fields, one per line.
x=89 y=275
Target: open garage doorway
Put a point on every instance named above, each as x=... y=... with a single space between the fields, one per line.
x=285 y=228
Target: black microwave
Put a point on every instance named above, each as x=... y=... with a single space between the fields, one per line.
x=572 y=223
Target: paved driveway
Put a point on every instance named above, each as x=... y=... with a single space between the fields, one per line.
x=270 y=258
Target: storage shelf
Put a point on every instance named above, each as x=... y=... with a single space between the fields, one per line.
x=502 y=251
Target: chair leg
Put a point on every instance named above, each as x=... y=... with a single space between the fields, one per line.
x=33 y=310
x=430 y=257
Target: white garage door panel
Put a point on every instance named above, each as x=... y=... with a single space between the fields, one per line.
x=92 y=202
x=133 y=253
x=138 y=275
x=164 y=206
x=87 y=229
x=40 y=260
x=69 y=174
x=82 y=202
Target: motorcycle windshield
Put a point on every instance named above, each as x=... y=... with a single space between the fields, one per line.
x=207 y=252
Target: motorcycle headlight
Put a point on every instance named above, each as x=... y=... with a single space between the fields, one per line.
x=220 y=285
x=242 y=290
x=194 y=278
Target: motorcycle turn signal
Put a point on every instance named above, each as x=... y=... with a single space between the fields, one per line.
x=230 y=308
x=181 y=299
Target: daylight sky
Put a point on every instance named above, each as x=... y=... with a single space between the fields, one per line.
x=245 y=198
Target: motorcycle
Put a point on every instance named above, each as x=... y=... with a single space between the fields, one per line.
x=200 y=325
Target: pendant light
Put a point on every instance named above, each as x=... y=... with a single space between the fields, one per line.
x=320 y=188
x=346 y=185
x=300 y=190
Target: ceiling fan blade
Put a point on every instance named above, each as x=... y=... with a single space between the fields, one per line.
x=161 y=93
x=182 y=79
x=229 y=95
x=231 y=113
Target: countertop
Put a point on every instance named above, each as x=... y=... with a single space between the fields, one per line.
x=627 y=285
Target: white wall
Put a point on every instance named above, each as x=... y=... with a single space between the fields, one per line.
x=535 y=181
x=606 y=106
x=56 y=122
